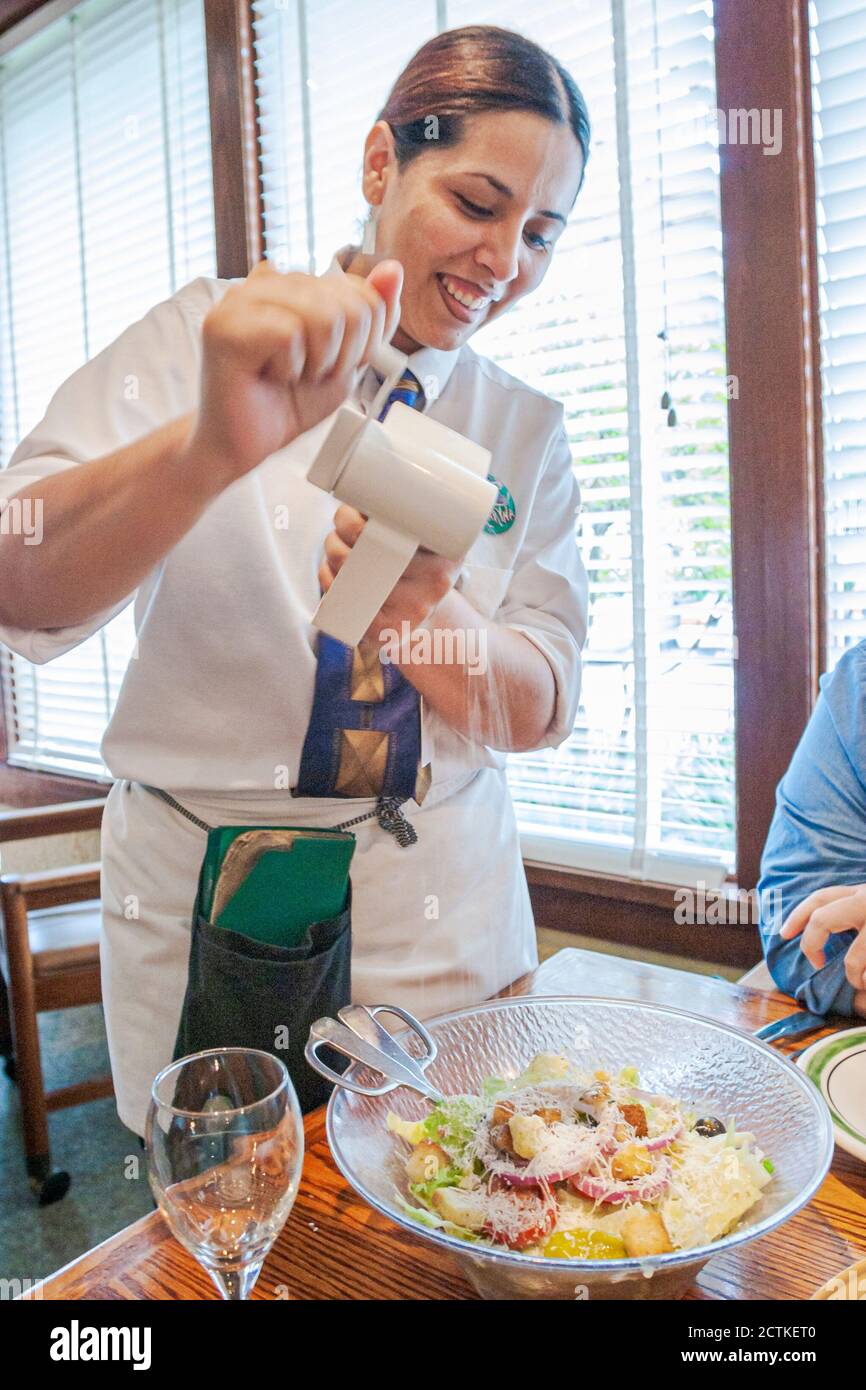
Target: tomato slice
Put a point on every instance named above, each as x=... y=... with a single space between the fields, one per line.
x=539 y=1218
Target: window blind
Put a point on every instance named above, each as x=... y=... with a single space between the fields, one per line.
x=323 y=68
x=632 y=306
x=106 y=208
x=838 y=44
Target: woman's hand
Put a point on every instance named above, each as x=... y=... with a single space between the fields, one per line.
x=424 y=584
x=281 y=352
x=824 y=913
x=500 y=691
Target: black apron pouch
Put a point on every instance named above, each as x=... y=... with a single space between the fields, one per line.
x=246 y=993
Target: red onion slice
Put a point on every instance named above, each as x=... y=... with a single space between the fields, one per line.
x=523 y=1179
x=639 y=1189
x=662 y=1141
x=606 y=1146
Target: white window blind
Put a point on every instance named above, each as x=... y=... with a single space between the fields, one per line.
x=838 y=43
x=632 y=306
x=106 y=208
x=323 y=70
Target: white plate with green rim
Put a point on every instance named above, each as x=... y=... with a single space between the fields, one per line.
x=837 y=1065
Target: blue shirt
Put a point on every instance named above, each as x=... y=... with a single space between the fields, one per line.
x=818 y=835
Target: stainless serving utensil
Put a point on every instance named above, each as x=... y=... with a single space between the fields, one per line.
x=358 y=1035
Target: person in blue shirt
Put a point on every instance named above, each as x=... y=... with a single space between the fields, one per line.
x=812 y=891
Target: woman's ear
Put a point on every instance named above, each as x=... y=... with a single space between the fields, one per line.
x=379 y=156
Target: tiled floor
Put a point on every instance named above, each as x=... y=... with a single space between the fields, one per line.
x=109 y=1188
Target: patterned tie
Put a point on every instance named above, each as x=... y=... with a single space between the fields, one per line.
x=364 y=736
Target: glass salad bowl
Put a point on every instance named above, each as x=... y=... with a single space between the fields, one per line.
x=712 y=1067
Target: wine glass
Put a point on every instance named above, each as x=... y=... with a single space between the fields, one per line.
x=225 y=1146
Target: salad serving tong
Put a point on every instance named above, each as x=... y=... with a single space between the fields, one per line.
x=358 y=1035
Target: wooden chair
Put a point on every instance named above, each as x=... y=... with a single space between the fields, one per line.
x=49 y=960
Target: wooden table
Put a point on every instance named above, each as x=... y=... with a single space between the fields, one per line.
x=336 y=1247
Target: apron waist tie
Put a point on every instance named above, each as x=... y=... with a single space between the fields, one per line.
x=387 y=811
x=389 y=815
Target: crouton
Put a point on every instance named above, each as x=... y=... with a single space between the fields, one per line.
x=548 y=1114
x=635 y=1115
x=644 y=1232
x=426 y=1161
x=500 y=1138
x=632 y=1161
x=527 y=1133
x=502 y=1112
x=463 y=1208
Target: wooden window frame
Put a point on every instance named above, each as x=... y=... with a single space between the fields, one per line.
x=775 y=428
x=775 y=441
x=239 y=216
x=14 y=12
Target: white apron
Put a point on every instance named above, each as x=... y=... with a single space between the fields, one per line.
x=436 y=926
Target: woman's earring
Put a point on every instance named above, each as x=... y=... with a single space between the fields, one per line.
x=368 y=246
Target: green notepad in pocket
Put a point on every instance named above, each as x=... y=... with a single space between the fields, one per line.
x=271 y=883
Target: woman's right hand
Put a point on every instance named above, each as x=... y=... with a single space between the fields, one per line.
x=280 y=352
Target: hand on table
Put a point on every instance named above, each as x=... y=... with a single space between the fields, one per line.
x=820 y=916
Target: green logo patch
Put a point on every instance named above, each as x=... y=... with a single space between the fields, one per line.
x=503 y=511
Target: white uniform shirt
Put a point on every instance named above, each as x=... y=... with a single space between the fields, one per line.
x=215 y=705
x=219 y=695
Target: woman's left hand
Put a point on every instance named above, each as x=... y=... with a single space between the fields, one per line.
x=820 y=916
x=421 y=588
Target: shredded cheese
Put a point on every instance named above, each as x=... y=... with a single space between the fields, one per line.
x=712 y=1182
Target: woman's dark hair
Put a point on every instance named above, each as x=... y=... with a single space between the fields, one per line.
x=478 y=68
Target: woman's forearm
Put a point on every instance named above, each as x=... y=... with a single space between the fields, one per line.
x=104 y=525
x=860 y=1002
x=489 y=682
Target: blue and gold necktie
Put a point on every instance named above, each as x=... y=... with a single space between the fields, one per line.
x=364 y=736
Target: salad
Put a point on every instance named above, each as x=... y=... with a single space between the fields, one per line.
x=568 y=1164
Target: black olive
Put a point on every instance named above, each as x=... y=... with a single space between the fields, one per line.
x=709 y=1127
x=583 y=1118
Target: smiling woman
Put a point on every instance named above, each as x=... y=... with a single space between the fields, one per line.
x=193 y=501
x=472 y=169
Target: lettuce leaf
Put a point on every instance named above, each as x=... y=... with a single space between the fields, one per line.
x=492 y=1086
x=436 y=1223
x=452 y=1123
x=448 y=1177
